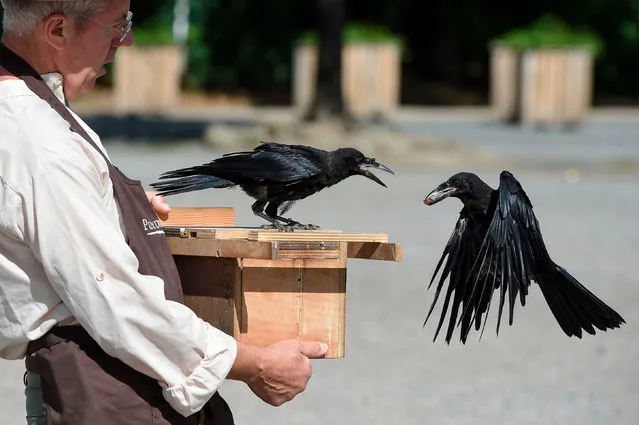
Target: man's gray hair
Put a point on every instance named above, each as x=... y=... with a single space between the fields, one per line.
x=22 y=16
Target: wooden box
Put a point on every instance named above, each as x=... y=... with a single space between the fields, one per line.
x=148 y=78
x=263 y=286
x=371 y=74
x=542 y=86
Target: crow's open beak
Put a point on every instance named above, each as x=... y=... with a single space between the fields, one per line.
x=364 y=170
x=442 y=192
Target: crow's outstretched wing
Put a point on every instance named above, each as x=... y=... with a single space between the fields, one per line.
x=511 y=256
x=460 y=253
x=268 y=162
x=514 y=247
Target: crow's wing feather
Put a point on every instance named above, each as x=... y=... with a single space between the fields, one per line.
x=511 y=255
x=281 y=165
x=460 y=253
x=268 y=166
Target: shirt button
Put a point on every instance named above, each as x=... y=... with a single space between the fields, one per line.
x=99 y=277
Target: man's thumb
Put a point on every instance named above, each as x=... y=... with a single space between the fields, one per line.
x=313 y=350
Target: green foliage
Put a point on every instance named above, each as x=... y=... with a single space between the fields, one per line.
x=198 y=59
x=247 y=45
x=248 y=42
x=550 y=32
x=356 y=32
x=153 y=35
x=155 y=29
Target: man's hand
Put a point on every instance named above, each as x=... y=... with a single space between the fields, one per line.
x=160 y=206
x=279 y=372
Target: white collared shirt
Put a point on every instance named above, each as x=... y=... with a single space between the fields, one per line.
x=64 y=258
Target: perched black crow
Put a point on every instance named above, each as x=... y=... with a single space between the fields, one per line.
x=497 y=244
x=275 y=175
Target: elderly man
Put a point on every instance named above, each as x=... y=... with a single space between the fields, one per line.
x=86 y=296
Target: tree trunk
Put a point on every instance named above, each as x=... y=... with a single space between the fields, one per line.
x=328 y=101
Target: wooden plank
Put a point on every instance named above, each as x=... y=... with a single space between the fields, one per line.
x=209 y=232
x=205 y=244
x=222 y=248
x=200 y=216
x=309 y=237
x=503 y=82
x=375 y=251
x=295 y=263
x=323 y=305
x=316 y=235
x=323 y=308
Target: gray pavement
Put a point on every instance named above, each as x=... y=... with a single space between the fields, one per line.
x=588 y=147
x=392 y=372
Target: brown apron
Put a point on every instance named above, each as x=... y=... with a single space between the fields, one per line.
x=81 y=384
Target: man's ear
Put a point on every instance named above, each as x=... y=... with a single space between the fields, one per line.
x=57 y=30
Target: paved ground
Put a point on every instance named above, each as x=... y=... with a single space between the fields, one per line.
x=392 y=372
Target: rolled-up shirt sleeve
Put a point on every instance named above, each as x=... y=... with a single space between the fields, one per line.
x=87 y=260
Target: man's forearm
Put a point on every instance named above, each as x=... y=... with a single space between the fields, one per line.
x=248 y=362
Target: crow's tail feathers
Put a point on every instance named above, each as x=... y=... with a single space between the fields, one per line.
x=190 y=183
x=574 y=306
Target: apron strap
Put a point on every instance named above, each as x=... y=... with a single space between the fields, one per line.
x=13 y=64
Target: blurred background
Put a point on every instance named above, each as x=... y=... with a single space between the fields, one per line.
x=546 y=89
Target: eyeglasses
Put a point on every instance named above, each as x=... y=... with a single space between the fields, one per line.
x=125 y=27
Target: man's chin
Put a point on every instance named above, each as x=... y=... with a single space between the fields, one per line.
x=86 y=87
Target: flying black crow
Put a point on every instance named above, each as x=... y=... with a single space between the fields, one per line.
x=497 y=245
x=275 y=175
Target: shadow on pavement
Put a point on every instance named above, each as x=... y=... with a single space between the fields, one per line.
x=157 y=127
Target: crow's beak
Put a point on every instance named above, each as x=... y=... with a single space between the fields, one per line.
x=442 y=192
x=373 y=164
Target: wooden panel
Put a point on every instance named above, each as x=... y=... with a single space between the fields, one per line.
x=375 y=251
x=294 y=299
x=304 y=76
x=503 y=82
x=371 y=77
x=209 y=286
x=222 y=248
x=323 y=308
x=295 y=263
x=556 y=86
x=200 y=216
x=148 y=78
x=271 y=304
x=315 y=235
x=578 y=74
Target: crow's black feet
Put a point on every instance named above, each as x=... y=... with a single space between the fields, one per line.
x=300 y=226
x=276 y=226
x=311 y=227
x=290 y=226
